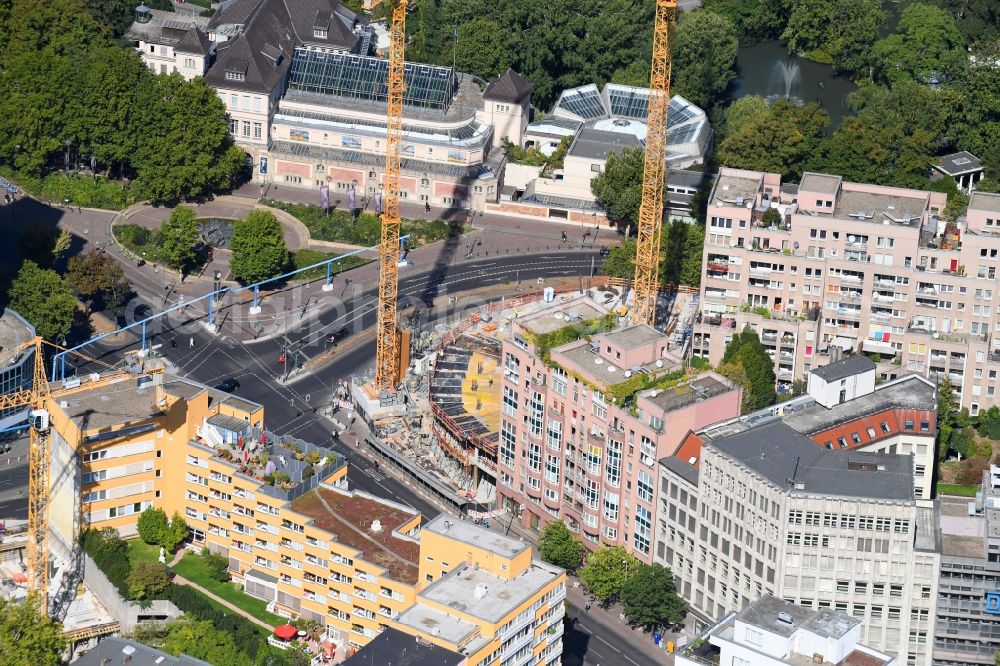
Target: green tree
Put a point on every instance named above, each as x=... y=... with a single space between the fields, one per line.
x=147 y=580
x=187 y=151
x=865 y=152
x=703 y=56
x=836 y=31
x=782 y=141
x=746 y=110
x=650 y=598
x=483 y=49
x=620 y=261
x=618 y=188
x=977 y=127
x=179 y=239
x=201 y=640
x=947 y=414
x=27 y=637
x=979 y=20
x=37 y=243
x=97 y=275
x=746 y=362
x=557 y=546
x=176 y=533
x=152 y=525
x=910 y=107
x=636 y=73
x=926 y=43
x=44 y=299
x=755 y=20
x=606 y=570
x=217 y=565
x=258 y=245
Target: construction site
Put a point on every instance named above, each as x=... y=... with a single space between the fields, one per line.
x=443 y=424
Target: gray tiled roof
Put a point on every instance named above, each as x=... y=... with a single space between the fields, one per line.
x=508 y=87
x=852 y=365
x=264 y=29
x=780 y=454
x=194 y=41
x=596 y=144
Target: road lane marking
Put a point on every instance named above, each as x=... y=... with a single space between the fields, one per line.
x=607 y=643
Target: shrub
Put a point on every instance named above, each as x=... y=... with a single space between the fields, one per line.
x=217 y=565
x=147 y=581
x=110 y=553
x=243 y=631
x=152 y=525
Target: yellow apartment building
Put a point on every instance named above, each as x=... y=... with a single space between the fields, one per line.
x=279 y=509
x=483 y=595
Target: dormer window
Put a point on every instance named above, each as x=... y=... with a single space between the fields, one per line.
x=319 y=33
x=235 y=76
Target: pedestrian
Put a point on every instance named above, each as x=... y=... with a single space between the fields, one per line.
x=427 y=207
x=586 y=606
x=173 y=343
x=191 y=342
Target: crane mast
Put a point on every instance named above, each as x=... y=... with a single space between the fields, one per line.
x=387 y=344
x=647 y=249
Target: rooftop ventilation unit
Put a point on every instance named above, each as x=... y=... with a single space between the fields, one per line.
x=784 y=618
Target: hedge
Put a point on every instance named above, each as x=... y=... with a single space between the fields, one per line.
x=242 y=630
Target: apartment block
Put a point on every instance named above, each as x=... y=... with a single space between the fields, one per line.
x=484 y=596
x=830 y=265
x=967 y=628
x=765 y=510
x=280 y=510
x=584 y=423
x=771 y=632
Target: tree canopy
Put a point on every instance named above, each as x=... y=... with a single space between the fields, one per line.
x=926 y=43
x=618 y=188
x=839 y=32
x=784 y=140
x=606 y=570
x=747 y=363
x=703 y=57
x=43 y=298
x=258 y=246
x=557 y=546
x=179 y=239
x=96 y=275
x=201 y=640
x=66 y=87
x=28 y=638
x=650 y=598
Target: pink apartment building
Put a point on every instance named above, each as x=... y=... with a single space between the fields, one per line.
x=843 y=266
x=570 y=450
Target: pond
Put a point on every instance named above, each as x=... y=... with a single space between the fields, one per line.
x=769 y=70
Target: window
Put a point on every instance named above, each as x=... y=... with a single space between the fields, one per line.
x=189 y=63
x=319 y=33
x=754 y=637
x=644 y=486
x=246 y=128
x=235 y=76
x=257 y=130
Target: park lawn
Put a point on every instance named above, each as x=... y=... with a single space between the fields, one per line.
x=192 y=568
x=140 y=551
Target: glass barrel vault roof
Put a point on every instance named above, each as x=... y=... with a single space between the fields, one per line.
x=365 y=78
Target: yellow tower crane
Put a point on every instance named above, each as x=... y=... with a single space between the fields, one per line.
x=647 y=247
x=39 y=453
x=387 y=345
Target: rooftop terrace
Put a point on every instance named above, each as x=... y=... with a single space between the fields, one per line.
x=349 y=517
x=696 y=390
x=559 y=315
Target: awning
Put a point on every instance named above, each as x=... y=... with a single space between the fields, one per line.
x=230 y=423
x=847 y=344
x=285 y=632
x=878 y=347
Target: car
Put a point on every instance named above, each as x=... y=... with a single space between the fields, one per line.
x=228 y=385
x=336 y=336
x=605 y=251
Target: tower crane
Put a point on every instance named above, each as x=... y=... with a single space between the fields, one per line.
x=647 y=247
x=39 y=453
x=387 y=344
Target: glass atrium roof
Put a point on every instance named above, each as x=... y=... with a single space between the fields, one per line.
x=584 y=102
x=628 y=102
x=365 y=78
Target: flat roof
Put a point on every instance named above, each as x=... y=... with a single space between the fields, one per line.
x=595 y=144
x=562 y=314
x=779 y=454
x=731 y=189
x=911 y=391
x=469 y=533
x=458 y=590
x=895 y=208
x=14 y=330
x=122 y=401
x=230 y=423
x=847 y=367
x=349 y=518
x=436 y=622
x=956 y=164
x=393 y=647
x=821 y=183
x=117 y=650
x=241 y=404
x=682 y=395
x=632 y=337
x=182 y=388
x=764 y=612
x=986 y=201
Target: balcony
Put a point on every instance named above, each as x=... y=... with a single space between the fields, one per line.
x=851 y=279
x=715 y=295
x=880 y=316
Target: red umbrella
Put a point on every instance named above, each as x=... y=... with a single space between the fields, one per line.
x=285 y=632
